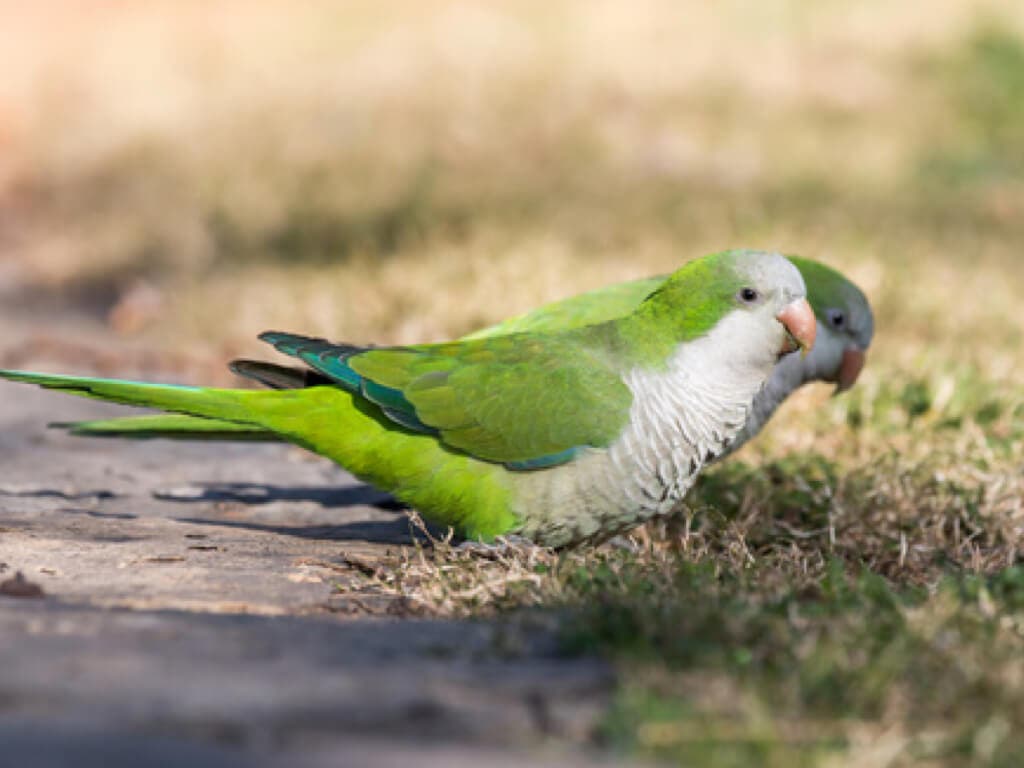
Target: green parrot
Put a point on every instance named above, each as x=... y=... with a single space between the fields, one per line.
x=559 y=437
x=845 y=331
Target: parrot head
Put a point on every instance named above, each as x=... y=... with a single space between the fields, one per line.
x=770 y=288
x=753 y=303
x=845 y=325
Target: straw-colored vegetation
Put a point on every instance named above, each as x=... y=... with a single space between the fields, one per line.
x=845 y=591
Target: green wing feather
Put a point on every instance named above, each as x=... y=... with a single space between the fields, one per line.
x=522 y=400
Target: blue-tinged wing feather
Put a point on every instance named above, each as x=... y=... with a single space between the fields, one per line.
x=386 y=397
x=544 y=462
x=409 y=420
x=336 y=368
x=401 y=382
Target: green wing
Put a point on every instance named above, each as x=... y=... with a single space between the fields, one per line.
x=589 y=308
x=526 y=401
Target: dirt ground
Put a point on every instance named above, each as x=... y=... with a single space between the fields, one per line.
x=203 y=604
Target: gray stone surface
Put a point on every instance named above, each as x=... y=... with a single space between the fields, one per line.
x=192 y=615
x=170 y=525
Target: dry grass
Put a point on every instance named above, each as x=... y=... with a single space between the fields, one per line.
x=844 y=592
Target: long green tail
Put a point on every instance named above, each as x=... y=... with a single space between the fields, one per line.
x=449 y=487
x=196 y=412
x=187 y=427
x=232 y=405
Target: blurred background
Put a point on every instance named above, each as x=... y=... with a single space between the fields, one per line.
x=175 y=178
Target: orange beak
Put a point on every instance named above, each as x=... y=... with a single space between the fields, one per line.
x=801 y=327
x=850 y=368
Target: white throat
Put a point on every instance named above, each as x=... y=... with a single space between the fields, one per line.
x=687 y=414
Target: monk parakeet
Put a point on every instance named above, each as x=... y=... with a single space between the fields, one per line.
x=560 y=437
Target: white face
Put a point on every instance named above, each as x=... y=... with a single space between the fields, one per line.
x=749 y=341
x=752 y=332
x=768 y=279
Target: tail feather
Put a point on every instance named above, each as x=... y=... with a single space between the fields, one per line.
x=225 y=404
x=184 y=425
x=169 y=426
x=470 y=495
x=277 y=376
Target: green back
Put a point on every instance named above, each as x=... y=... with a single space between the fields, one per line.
x=589 y=308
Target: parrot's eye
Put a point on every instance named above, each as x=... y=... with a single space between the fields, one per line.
x=836 y=318
x=748 y=295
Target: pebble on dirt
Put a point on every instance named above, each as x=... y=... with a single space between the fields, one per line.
x=19 y=586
